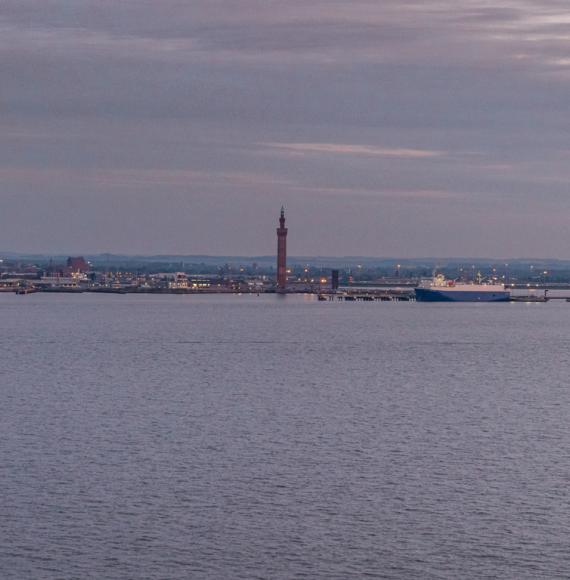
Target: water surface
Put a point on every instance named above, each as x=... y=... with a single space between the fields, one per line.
x=279 y=437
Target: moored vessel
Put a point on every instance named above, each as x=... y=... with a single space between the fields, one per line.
x=438 y=289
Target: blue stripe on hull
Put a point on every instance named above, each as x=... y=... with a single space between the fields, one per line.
x=430 y=295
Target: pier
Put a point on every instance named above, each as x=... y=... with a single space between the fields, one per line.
x=370 y=295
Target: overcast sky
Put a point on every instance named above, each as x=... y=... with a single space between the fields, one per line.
x=386 y=127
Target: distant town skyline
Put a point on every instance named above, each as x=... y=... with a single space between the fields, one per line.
x=409 y=129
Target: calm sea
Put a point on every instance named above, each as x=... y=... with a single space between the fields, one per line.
x=240 y=437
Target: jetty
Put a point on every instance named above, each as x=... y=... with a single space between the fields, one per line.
x=370 y=295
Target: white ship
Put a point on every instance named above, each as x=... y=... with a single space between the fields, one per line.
x=438 y=289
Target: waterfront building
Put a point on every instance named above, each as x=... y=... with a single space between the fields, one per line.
x=58 y=281
x=282 y=253
x=77 y=264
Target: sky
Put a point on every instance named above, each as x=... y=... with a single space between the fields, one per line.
x=385 y=127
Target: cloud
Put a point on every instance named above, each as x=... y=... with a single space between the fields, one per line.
x=406 y=196
x=355 y=150
x=321 y=31
x=135 y=178
x=381 y=105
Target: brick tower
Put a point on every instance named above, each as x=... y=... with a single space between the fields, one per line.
x=282 y=253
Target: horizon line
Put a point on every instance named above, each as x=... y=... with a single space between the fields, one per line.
x=292 y=257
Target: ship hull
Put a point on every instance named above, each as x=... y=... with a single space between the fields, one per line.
x=443 y=295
